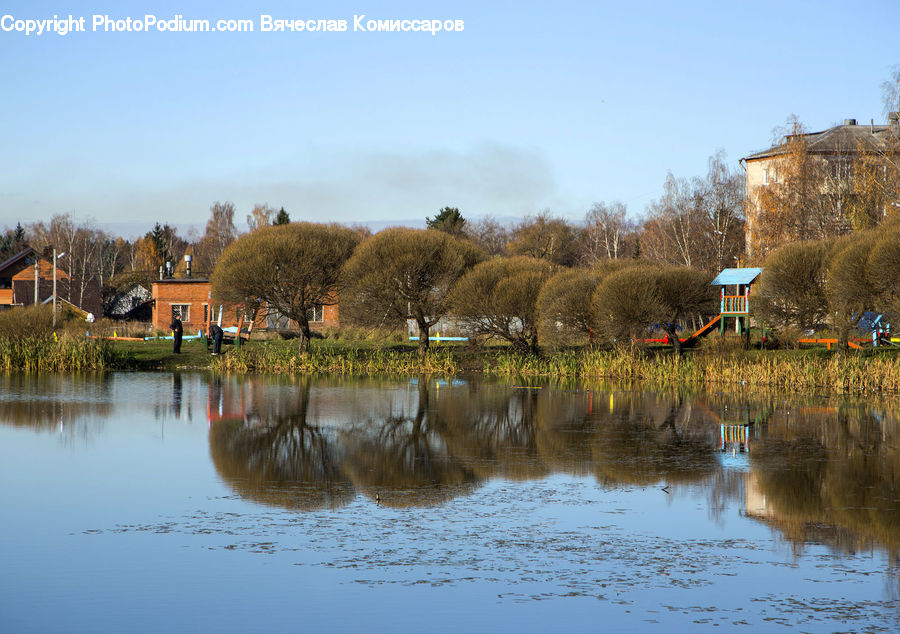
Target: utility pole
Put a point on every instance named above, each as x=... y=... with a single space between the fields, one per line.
x=54 y=287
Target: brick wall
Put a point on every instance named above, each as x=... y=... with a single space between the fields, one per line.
x=194 y=294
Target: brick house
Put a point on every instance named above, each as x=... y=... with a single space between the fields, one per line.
x=191 y=300
x=188 y=299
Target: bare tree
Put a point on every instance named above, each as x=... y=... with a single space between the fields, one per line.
x=606 y=225
x=546 y=238
x=672 y=232
x=488 y=234
x=722 y=207
x=890 y=91
x=220 y=232
x=260 y=216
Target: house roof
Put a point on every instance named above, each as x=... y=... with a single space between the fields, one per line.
x=839 y=139
x=21 y=255
x=16 y=263
x=736 y=276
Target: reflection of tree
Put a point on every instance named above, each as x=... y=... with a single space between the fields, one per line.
x=646 y=439
x=402 y=461
x=493 y=429
x=834 y=481
x=274 y=457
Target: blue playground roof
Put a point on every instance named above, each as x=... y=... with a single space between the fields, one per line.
x=735 y=276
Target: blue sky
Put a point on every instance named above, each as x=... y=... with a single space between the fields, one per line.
x=535 y=105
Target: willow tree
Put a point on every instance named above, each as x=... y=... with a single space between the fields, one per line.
x=847 y=285
x=883 y=271
x=792 y=286
x=400 y=274
x=286 y=270
x=564 y=303
x=631 y=301
x=498 y=298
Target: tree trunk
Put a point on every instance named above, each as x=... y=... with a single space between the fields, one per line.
x=673 y=337
x=422 y=323
x=305 y=334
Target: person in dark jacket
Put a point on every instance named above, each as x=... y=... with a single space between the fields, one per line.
x=215 y=333
x=177 y=331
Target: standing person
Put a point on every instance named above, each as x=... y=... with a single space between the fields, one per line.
x=215 y=333
x=177 y=331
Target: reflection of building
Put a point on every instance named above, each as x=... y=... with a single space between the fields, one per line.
x=755 y=503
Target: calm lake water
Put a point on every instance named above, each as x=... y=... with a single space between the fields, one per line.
x=158 y=502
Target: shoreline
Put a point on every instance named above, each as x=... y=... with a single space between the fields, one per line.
x=854 y=372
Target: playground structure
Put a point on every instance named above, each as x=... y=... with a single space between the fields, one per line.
x=736 y=306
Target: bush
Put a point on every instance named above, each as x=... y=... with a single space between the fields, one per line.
x=498 y=298
x=883 y=272
x=847 y=286
x=631 y=301
x=564 y=307
x=627 y=303
x=792 y=286
x=28 y=321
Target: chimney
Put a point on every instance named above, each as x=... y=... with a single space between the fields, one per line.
x=161 y=272
x=849 y=121
x=188 y=258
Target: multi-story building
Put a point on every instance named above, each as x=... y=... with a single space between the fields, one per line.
x=831 y=154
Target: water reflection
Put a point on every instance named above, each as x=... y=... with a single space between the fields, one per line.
x=421 y=443
x=70 y=404
x=815 y=470
x=830 y=473
x=266 y=450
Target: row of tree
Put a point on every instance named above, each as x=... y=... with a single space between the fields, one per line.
x=696 y=222
x=92 y=255
x=831 y=283
x=425 y=274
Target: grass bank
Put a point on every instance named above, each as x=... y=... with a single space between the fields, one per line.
x=795 y=370
x=49 y=354
x=805 y=370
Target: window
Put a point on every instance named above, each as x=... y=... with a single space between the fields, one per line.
x=181 y=311
x=316 y=313
x=205 y=313
x=765 y=176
